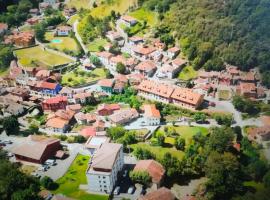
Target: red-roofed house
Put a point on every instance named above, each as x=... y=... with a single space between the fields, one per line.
x=107 y=109
x=54 y=103
x=160 y=194
x=173 y=52
x=128 y=20
x=88 y=132
x=154 y=169
x=63 y=30
x=106 y=85
x=151 y=115
x=146 y=68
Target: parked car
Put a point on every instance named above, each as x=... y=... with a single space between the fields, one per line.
x=9 y=155
x=131 y=190
x=50 y=162
x=116 y=190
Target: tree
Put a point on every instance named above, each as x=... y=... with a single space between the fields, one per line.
x=143 y=154
x=11 y=125
x=141 y=177
x=48 y=183
x=266 y=179
x=95 y=60
x=171 y=164
x=223 y=172
x=120 y=68
x=257 y=169
x=180 y=143
x=79 y=139
x=199 y=117
x=160 y=138
x=6 y=56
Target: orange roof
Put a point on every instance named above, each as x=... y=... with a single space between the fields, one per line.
x=156 y=88
x=173 y=50
x=128 y=18
x=247 y=87
x=48 y=85
x=186 y=95
x=146 y=66
x=82 y=95
x=65 y=114
x=3 y=26
x=179 y=61
x=144 y=50
x=160 y=194
x=88 y=131
x=104 y=54
x=155 y=169
x=151 y=111
x=106 y=82
x=108 y=107
x=118 y=59
x=250 y=76
x=57 y=122
x=135 y=38
x=43 y=73
x=55 y=100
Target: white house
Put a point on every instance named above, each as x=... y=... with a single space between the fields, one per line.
x=104 y=57
x=151 y=115
x=104 y=166
x=128 y=20
x=63 y=30
x=173 y=52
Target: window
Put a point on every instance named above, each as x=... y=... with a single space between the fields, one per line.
x=104 y=181
x=104 y=177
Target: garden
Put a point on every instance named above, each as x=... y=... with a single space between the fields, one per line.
x=75 y=176
x=79 y=76
x=38 y=57
x=187 y=73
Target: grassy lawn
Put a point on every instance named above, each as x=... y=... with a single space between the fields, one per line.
x=67 y=43
x=224 y=94
x=72 y=19
x=187 y=132
x=93 y=46
x=106 y=7
x=143 y=14
x=73 y=79
x=187 y=73
x=75 y=176
x=79 y=4
x=36 y=56
x=141 y=133
x=256 y=185
x=159 y=151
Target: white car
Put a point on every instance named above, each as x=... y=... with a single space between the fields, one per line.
x=131 y=189
x=50 y=162
x=116 y=190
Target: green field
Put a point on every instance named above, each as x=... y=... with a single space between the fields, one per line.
x=79 y=4
x=144 y=15
x=67 y=43
x=36 y=56
x=93 y=46
x=187 y=73
x=82 y=77
x=75 y=176
x=105 y=8
x=158 y=151
x=72 y=19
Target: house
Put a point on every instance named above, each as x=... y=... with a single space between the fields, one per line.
x=143 y=52
x=248 y=77
x=70 y=11
x=115 y=60
x=67 y=92
x=99 y=125
x=124 y=116
x=107 y=109
x=173 y=52
x=179 y=62
x=114 y=36
x=54 y=103
x=22 y=93
x=118 y=87
x=102 y=173
x=14 y=109
x=63 y=30
x=60 y=121
x=21 y=39
x=82 y=98
x=160 y=194
x=33 y=20
x=88 y=132
x=146 y=68
x=45 y=194
x=3 y=28
x=95 y=142
x=259 y=134
x=135 y=40
x=106 y=85
x=155 y=91
x=250 y=90
x=42 y=74
x=104 y=57
x=128 y=20
x=169 y=71
x=50 y=89
x=74 y=107
x=36 y=149
x=151 y=115
x=186 y=98
x=84 y=119
x=155 y=170
x=135 y=78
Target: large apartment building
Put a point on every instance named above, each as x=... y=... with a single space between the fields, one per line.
x=166 y=93
x=102 y=172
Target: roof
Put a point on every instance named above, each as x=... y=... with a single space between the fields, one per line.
x=96 y=141
x=146 y=66
x=186 y=95
x=144 y=50
x=65 y=114
x=48 y=85
x=123 y=115
x=157 y=88
x=247 y=87
x=34 y=146
x=173 y=49
x=128 y=18
x=74 y=107
x=106 y=83
x=66 y=90
x=82 y=95
x=55 y=100
x=160 y=194
x=250 y=76
x=88 y=131
x=43 y=73
x=64 y=28
x=3 y=26
x=111 y=107
x=105 y=156
x=104 y=54
x=118 y=59
x=60 y=197
x=150 y=110
x=179 y=62
x=136 y=38
x=57 y=122
x=155 y=169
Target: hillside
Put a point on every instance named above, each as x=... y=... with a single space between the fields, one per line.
x=235 y=31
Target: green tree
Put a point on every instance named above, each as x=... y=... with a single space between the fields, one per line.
x=141 y=177
x=95 y=60
x=180 y=143
x=121 y=68
x=142 y=153
x=223 y=172
x=6 y=56
x=79 y=139
x=11 y=125
x=199 y=117
x=266 y=179
x=48 y=183
x=257 y=169
x=116 y=132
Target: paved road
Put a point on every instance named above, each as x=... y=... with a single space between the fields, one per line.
x=77 y=35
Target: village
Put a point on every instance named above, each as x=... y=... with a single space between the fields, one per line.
x=96 y=110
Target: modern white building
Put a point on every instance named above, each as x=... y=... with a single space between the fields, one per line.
x=102 y=172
